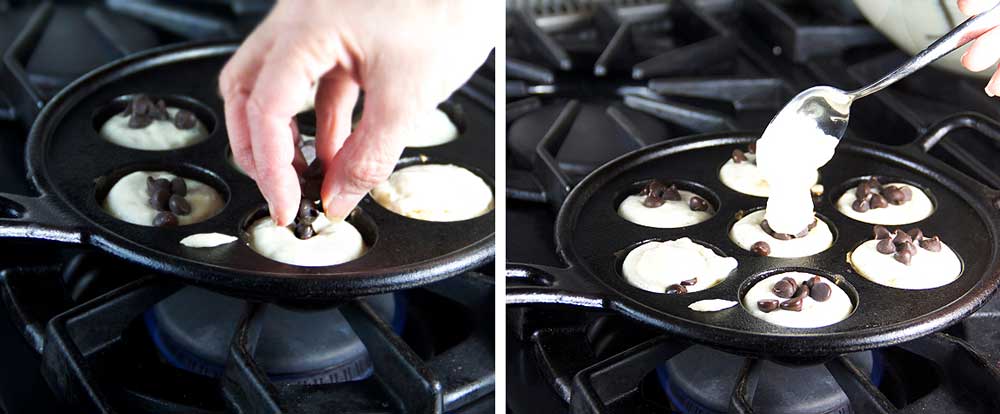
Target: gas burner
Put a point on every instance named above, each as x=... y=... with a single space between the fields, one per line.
x=295 y=347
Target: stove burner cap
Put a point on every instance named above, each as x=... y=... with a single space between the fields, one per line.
x=192 y=330
x=701 y=380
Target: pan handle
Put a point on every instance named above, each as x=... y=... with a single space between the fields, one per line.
x=937 y=133
x=35 y=218
x=529 y=284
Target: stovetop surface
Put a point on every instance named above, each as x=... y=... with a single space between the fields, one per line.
x=162 y=357
x=671 y=84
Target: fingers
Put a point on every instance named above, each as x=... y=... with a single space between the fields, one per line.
x=235 y=83
x=369 y=154
x=974 y=7
x=984 y=52
x=993 y=87
x=282 y=84
x=336 y=97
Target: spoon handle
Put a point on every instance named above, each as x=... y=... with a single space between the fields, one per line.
x=964 y=33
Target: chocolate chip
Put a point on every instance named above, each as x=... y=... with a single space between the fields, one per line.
x=860 y=205
x=907 y=193
x=761 y=248
x=801 y=291
x=908 y=247
x=783 y=289
x=184 y=119
x=675 y=290
x=874 y=184
x=671 y=193
x=652 y=201
x=690 y=282
x=140 y=105
x=179 y=206
x=304 y=231
x=803 y=233
x=877 y=201
x=738 y=156
x=886 y=246
x=159 y=112
x=916 y=234
x=155 y=184
x=138 y=121
x=812 y=281
x=794 y=305
x=901 y=237
x=165 y=219
x=932 y=244
x=881 y=232
x=698 y=204
x=862 y=191
x=770 y=232
x=767 y=305
x=315 y=170
x=160 y=200
x=820 y=292
x=903 y=257
x=752 y=147
x=178 y=186
x=894 y=195
x=307 y=212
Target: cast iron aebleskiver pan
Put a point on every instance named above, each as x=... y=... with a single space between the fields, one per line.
x=72 y=167
x=592 y=239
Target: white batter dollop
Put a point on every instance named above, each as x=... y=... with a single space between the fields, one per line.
x=128 y=199
x=671 y=214
x=746 y=178
x=334 y=243
x=918 y=208
x=789 y=152
x=160 y=135
x=747 y=231
x=814 y=314
x=435 y=192
x=711 y=305
x=926 y=270
x=207 y=240
x=654 y=266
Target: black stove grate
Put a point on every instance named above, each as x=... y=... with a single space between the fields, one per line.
x=88 y=351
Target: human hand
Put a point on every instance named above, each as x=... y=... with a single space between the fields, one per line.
x=984 y=51
x=407 y=56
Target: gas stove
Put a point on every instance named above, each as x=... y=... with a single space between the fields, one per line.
x=81 y=331
x=589 y=82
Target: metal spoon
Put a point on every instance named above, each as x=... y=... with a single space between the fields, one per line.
x=830 y=107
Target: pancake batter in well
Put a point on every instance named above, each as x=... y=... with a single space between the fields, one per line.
x=740 y=173
x=748 y=231
x=675 y=266
x=129 y=200
x=332 y=243
x=435 y=192
x=906 y=260
x=795 y=305
x=665 y=207
x=153 y=126
x=891 y=204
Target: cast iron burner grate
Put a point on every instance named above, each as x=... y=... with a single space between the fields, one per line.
x=642 y=74
x=599 y=364
x=88 y=324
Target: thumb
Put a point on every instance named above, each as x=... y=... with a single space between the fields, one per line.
x=370 y=153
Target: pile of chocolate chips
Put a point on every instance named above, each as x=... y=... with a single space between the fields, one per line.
x=302 y=226
x=795 y=293
x=903 y=245
x=784 y=236
x=682 y=287
x=872 y=194
x=739 y=156
x=142 y=111
x=167 y=197
x=657 y=194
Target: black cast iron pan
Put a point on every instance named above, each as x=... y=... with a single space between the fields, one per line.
x=72 y=168
x=593 y=240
